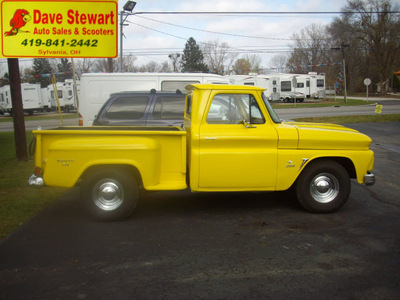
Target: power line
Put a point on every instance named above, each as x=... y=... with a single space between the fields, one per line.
x=214 y=32
x=261 y=12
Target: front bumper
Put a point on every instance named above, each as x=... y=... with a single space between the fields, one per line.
x=369 y=179
x=35 y=181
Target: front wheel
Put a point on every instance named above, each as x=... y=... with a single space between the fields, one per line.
x=323 y=187
x=110 y=195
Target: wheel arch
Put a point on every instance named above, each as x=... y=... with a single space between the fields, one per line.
x=346 y=162
x=100 y=167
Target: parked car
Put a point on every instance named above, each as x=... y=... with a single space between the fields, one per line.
x=96 y=88
x=142 y=109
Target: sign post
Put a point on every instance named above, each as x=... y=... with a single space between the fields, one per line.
x=367 y=82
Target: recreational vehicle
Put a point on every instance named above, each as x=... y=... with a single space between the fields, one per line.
x=5 y=99
x=65 y=97
x=278 y=86
x=96 y=88
x=317 y=85
x=31 y=98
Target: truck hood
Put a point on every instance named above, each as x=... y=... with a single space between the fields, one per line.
x=329 y=136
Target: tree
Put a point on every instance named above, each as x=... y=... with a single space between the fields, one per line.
x=40 y=67
x=104 y=65
x=218 y=56
x=175 y=59
x=64 y=67
x=378 y=30
x=310 y=47
x=279 y=62
x=165 y=67
x=247 y=64
x=242 y=66
x=192 y=58
x=85 y=65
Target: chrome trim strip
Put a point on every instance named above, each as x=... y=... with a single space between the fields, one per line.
x=303 y=163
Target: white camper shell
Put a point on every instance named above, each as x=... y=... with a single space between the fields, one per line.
x=96 y=88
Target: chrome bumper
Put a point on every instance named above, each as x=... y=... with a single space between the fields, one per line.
x=35 y=181
x=369 y=179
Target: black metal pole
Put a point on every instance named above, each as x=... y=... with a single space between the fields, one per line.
x=17 y=109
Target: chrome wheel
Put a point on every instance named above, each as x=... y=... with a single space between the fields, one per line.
x=324 y=188
x=108 y=194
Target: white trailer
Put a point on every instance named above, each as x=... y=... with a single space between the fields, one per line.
x=278 y=86
x=60 y=93
x=46 y=103
x=303 y=84
x=97 y=87
x=5 y=99
x=70 y=93
x=31 y=98
x=317 y=85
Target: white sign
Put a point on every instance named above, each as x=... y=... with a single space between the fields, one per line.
x=367 y=81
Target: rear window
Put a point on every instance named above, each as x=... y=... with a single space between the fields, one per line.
x=169 y=107
x=127 y=108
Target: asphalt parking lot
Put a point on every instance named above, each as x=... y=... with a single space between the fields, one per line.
x=179 y=245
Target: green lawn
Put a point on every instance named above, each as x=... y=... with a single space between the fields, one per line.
x=18 y=201
x=353 y=119
x=321 y=103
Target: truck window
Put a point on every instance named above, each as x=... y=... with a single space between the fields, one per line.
x=169 y=107
x=320 y=83
x=300 y=84
x=233 y=109
x=127 y=108
x=173 y=85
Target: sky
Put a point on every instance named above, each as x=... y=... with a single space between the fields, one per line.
x=152 y=37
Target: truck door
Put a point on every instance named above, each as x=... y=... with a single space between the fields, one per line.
x=238 y=146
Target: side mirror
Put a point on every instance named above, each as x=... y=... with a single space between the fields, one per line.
x=247 y=124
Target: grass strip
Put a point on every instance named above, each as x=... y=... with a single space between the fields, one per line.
x=353 y=119
x=18 y=201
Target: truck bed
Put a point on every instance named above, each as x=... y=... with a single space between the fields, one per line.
x=157 y=153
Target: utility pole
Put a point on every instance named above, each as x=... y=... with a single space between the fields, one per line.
x=17 y=109
x=344 y=68
x=174 y=58
x=128 y=7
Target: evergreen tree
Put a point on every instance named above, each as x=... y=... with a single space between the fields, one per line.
x=192 y=59
x=42 y=66
x=64 y=67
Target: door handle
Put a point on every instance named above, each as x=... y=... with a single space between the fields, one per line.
x=210 y=138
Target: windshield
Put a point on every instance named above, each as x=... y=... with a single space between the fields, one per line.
x=271 y=111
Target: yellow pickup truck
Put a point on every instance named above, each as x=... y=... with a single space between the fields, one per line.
x=231 y=140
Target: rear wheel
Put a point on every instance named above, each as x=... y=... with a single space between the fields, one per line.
x=110 y=195
x=323 y=187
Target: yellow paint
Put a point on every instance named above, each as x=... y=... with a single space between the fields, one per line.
x=86 y=28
